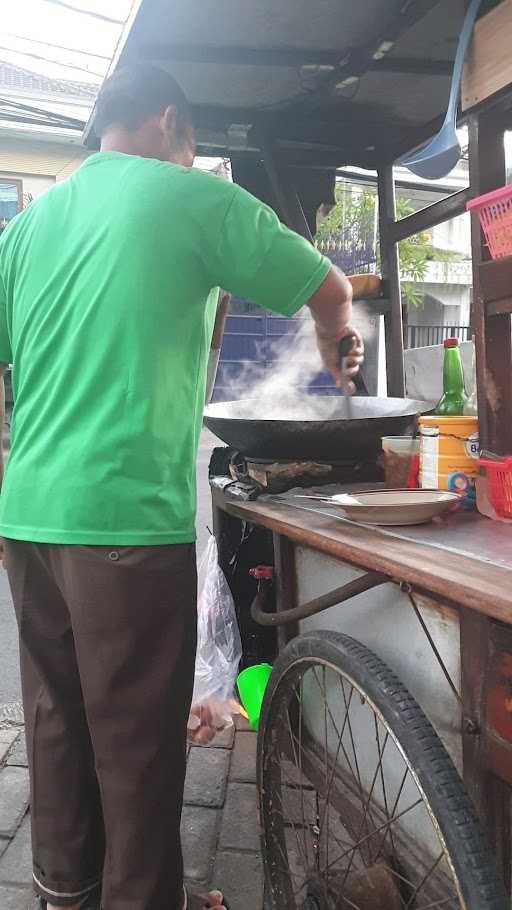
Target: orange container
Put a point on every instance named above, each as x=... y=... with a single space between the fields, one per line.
x=449 y=446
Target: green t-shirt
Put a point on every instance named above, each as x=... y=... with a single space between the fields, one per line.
x=108 y=291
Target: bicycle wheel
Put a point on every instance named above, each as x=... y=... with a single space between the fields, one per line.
x=361 y=806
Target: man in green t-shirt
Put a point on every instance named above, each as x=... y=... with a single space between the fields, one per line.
x=108 y=293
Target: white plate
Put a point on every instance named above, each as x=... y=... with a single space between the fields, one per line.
x=396 y=507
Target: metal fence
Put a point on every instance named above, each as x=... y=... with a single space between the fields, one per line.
x=421 y=336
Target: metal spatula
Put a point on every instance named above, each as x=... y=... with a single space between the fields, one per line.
x=358 y=380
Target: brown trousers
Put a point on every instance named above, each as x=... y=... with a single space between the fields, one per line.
x=107 y=639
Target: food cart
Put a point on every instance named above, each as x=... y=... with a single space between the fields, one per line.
x=394 y=677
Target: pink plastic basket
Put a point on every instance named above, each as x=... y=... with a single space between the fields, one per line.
x=495 y=213
x=499 y=478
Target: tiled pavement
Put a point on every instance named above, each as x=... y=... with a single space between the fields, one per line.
x=220 y=820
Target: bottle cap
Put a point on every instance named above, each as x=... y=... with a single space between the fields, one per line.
x=451 y=342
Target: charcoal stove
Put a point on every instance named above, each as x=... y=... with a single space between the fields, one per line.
x=245 y=477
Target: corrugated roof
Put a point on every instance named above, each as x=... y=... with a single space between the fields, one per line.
x=16 y=77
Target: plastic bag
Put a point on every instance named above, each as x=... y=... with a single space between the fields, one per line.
x=219 y=648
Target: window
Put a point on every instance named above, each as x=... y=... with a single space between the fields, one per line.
x=11 y=200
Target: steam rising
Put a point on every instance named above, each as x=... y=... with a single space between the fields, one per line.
x=293 y=362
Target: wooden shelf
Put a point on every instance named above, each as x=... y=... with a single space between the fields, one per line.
x=496 y=285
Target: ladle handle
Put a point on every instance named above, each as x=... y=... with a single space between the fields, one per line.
x=462 y=47
x=358 y=380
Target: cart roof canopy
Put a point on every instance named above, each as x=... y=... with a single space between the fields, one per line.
x=326 y=82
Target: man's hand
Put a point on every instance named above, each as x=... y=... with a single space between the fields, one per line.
x=331 y=309
x=206 y=720
x=343 y=369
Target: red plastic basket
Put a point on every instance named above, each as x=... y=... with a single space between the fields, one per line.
x=499 y=477
x=495 y=213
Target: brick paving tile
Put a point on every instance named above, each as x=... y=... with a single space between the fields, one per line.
x=243 y=762
x=241 y=723
x=223 y=740
x=7 y=739
x=207 y=773
x=16 y=898
x=18 y=754
x=14 y=796
x=240 y=823
x=16 y=863
x=240 y=877
x=199 y=828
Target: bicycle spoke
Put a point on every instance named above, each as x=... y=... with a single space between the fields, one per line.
x=382 y=781
x=361 y=791
x=300 y=757
x=291 y=824
x=365 y=808
x=382 y=827
x=334 y=764
x=424 y=881
x=395 y=806
x=441 y=903
x=343 y=813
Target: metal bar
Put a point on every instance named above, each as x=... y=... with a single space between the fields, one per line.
x=59 y=118
x=391 y=275
x=34 y=121
x=69 y=66
x=286 y=585
x=287 y=57
x=408 y=590
x=312 y=607
x=285 y=193
x=59 y=47
x=428 y=217
x=359 y=60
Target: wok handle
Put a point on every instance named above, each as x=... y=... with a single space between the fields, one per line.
x=358 y=380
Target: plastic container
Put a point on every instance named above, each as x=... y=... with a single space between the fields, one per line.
x=252 y=684
x=495 y=212
x=449 y=453
x=499 y=484
x=399 y=452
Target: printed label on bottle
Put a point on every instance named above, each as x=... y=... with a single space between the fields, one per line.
x=472 y=446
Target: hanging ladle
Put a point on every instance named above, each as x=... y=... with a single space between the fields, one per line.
x=441 y=154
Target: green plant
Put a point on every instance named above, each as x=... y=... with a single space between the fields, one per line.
x=352 y=227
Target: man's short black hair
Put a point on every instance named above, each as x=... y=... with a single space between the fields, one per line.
x=135 y=93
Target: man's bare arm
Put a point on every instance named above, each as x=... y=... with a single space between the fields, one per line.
x=331 y=308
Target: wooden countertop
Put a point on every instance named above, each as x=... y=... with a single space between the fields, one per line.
x=466 y=559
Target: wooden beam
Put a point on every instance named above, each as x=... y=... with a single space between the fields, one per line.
x=492 y=333
x=390 y=267
x=488 y=67
x=426 y=218
x=495 y=278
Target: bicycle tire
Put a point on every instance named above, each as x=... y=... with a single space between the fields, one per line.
x=469 y=856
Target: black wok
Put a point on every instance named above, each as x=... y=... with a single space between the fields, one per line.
x=329 y=428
